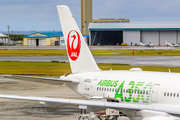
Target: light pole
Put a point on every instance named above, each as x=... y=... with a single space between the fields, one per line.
x=8 y=33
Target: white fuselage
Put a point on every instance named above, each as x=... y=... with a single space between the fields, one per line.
x=140 y=87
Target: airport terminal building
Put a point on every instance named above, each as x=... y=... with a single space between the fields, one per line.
x=134 y=33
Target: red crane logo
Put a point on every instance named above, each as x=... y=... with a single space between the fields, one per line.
x=73 y=50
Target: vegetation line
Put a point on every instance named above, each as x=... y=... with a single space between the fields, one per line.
x=57 y=69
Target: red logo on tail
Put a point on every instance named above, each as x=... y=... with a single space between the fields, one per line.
x=73 y=49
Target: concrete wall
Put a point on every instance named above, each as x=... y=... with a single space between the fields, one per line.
x=48 y=41
x=25 y=41
x=53 y=39
x=131 y=36
x=86 y=15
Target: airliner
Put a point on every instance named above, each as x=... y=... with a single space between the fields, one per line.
x=138 y=94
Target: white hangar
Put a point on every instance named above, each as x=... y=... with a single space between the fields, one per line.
x=134 y=33
x=3 y=38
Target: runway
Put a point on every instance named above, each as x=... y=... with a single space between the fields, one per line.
x=169 y=61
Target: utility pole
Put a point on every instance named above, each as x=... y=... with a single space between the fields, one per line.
x=8 y=33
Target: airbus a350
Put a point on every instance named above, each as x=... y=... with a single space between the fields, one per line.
x=140 y=95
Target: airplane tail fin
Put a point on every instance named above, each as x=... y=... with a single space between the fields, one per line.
x=80 y=57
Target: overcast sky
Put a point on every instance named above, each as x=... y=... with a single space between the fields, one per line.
x=41 y=15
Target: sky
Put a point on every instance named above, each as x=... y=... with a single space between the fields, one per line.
x=41 y=15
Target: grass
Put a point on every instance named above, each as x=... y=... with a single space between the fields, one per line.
x=57 y=69
x=95 y=52
x=33 y=52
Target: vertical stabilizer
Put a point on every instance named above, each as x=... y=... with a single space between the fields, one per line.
x=80 y=57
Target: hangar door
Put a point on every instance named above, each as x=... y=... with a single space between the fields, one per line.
x=150 y=37
x=36 y=42
x=42 y=42
x=169 y=36
x=106 y=37
x=31 y=42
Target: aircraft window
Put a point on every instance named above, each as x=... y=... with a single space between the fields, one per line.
x=104 y=89
x=107 y=89
x=124 y=90
x=113 y=90
x=121 y=90
x=168 y=94
x=97 y=88
x=110 y=89
x=100 y=89
x=165 y=94
x=174 y=94
x=138 y=91
x=178 y=95
x=135 y=91
x=132 y=91
x=171 y=94
x=146 y=92
x=143 y=92
x=116 y=89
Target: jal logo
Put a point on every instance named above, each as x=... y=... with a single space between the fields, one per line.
x=73 y=44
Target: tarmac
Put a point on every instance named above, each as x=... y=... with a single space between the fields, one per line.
x=169 y=61
x=33 y=110
x=102 y=47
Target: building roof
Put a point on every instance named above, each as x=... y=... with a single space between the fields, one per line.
x=2 y=35
x=118 y=20
x=44 y=34
x=135 y=26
